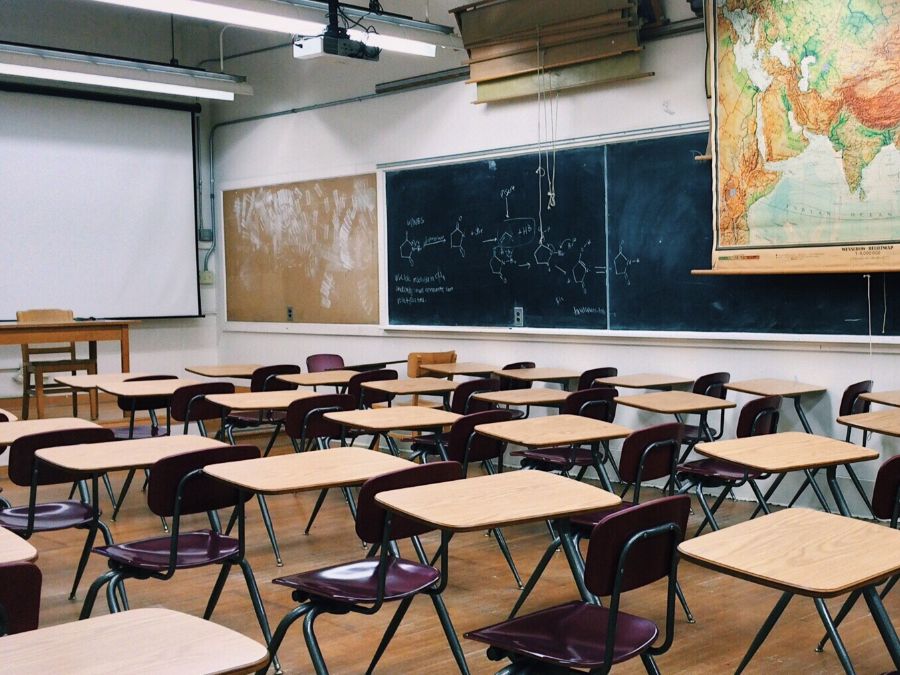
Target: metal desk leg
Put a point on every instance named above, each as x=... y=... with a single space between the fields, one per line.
x=601 y=471
x=831 y=629
x=801 y=415
x=576 y=564
x=831 y=472
x=883 y=621
x=764 y=631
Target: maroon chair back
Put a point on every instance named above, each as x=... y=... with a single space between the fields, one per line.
x=316 y=363
x=649 y=559
x=507 y=383
x=205 y=493
x=650 y=453
x=365 y=399
x=125 y=403
x=598 y=403
x=20 y=597
x=21 y=454
x=263 y=378
x=304 y=417
x=887 y=490
x=370 y=514
x=712 y=384
x=189 y=404
x=851 y=403
x=759 y=417
x=462 y=402
x=464 y=445
x=586 y=381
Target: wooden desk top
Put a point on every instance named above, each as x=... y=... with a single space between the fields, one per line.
x=802 y=551
x=413 y=385
x=883 y=397
x=9 y=416
x=534 y=396
x=144 y=387
x=459 y=368
x=335 y=467
x=774 y=387
x=323 y=378
x=786 y=451
x=645 y=381
x=243 y=370
x=260 y=400
x=407 y=417
x=93 y=381
x=11 y=431
x=497 y=500
x=136 y=453
x=672 y=402
x=15 y=549
x=542 y=432
x=540 y=374
x=885 y=422
x=138 y=642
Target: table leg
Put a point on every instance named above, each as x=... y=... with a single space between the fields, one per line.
x=764 y=631
x=573 y=556
x=843 y=509
x=601 y=471
x=883 y=621
x=831 y=629
x=801 y=415
x=124 y=350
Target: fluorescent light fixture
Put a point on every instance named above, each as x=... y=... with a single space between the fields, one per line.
x=102 y=71
x=284 y=17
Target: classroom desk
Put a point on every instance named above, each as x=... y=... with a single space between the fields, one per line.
x=381 y=421
x=90 y=384
x=459 y=368
x=337 y=378
x=298 y=472
x=145 y=389
x=239 y=371
x=15 y=549
x=891 y=398
x=542 y=396
x=12 y=431
x=92 y=332
x=791 y=451
x=414 y=386
x=776 y=387
x=678 y=403
x=258 y=401
x=885 y=422
x=810 y=553
x=646 y=381
x=545 y=432
x=504 y=499
x=137 y=641
x=558 y=375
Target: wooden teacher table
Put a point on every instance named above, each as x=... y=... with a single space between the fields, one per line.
x=137 y=641
x=646 y=381
x=381 y=421
x=791 y=451
x=776 y=387
x=91 y=332
x=242 y=371
x=545 y=432
x=809 y=553
x=15 y=549
x=504 y=499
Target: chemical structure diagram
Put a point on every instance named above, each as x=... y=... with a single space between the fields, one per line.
x=515 y=243
x=621 y=264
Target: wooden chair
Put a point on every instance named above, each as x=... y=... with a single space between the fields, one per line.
x=414 y=364
x=66 y=361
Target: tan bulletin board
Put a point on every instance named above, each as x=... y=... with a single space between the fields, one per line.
x=310 y=246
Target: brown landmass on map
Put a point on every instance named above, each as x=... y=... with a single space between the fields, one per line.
x=874 y=95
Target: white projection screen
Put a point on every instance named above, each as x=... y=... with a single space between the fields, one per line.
x=97 y=210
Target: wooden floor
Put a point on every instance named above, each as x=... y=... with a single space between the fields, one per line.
x=481 y=591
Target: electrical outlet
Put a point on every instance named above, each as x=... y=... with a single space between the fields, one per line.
x=290 y=313
x=518 y=317
x=207 y=278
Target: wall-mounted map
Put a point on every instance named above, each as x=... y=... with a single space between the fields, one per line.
x=807 y=135
x=304 y=252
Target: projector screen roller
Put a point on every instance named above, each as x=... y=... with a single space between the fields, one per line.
x=97 y=213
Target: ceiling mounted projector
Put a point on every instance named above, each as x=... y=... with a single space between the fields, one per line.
x=334 y=46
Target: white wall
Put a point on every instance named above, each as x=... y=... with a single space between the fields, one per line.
x=440 y=121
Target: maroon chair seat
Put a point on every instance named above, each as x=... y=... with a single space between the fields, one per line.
x=357 y=582
x=566 y=635
x=628 y=549
x=195 y=549
x=557 y=459
x=20 y=597
x=48 y=516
